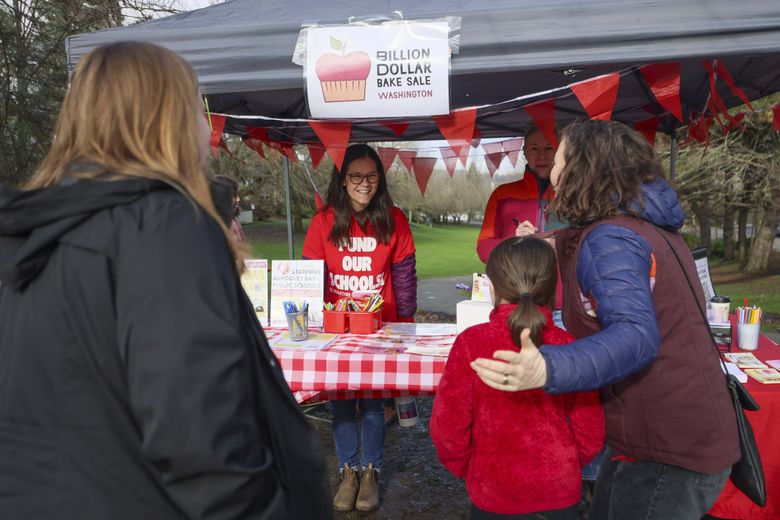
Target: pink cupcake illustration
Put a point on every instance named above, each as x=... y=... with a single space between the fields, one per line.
x=343 y=76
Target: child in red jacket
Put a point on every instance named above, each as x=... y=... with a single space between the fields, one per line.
x=520 y=452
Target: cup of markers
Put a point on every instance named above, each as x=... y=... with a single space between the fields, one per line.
x=297 y=320
x=748 y=325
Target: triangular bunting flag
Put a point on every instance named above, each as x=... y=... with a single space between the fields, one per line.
x=493 y=161
x=423 y=168
x=318 y=203
x=284 y=148
x=598 y=95
x=725 y=75
x=450 y=159
x=493 y=147
x=734 y=123
x=715 y=103
x=543 y=115
x=476 y=138
x=387 y=156
x=316 y=153
x=458 y=129
x=664 y=82
x=335 y=137
x=217 y=125
x=512 y=149
x=699 y=128
x=776 y=120
x=224 y=146
x=397 y=128
x=255 y=139
x=648 y=128
x=406 y=157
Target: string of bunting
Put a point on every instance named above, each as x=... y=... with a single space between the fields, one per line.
x=596 y=95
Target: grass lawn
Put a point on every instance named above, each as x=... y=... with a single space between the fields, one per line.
x=762 y=290
x=446 y=250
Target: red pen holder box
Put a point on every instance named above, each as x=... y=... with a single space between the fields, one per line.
x=365 y=322
x=334 y=321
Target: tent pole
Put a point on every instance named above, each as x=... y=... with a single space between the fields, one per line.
x=673 y=156
x=287 y=190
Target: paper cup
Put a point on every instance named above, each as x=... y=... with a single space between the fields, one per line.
x=747 y=335
x=720 y=309
x=407 y=411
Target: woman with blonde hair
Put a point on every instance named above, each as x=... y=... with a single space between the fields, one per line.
x=135 y=380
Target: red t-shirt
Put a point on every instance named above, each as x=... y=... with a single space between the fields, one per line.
x=364 y=265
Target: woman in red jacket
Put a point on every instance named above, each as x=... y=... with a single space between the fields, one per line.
x=367 y=245
x=520 y=452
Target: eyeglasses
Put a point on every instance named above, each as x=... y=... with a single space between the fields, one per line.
x=535 y=150
x=357 y=179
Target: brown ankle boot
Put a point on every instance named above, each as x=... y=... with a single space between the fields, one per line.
x=348 y=490
x=368 y=498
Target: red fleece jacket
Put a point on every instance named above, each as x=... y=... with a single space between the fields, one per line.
x=520 y=452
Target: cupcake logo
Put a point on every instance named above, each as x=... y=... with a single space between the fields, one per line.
x=343 y=76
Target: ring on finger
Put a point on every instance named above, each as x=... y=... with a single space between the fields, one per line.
x=506 y=379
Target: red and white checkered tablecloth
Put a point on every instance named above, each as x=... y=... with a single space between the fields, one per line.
x=348 y=368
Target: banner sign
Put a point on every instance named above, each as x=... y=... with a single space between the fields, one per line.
x=392 y=69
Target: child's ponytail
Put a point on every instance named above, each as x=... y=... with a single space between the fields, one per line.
x=523 y=271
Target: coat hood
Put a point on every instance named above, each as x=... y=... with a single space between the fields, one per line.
x=33 y=221
x=662 y=207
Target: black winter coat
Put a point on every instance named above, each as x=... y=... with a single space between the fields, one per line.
x=135 y=381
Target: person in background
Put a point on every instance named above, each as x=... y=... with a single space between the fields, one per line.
x=520 y=453
x=235 y=208
x=519 y=208
x=135 y=379
x=670 y=424
x=367 y=245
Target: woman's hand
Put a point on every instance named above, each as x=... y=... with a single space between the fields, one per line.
x=522 y=370
x=524 y=229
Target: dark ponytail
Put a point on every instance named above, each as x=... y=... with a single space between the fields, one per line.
x=523 y=271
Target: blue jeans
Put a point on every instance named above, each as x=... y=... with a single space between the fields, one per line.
x=345 y=432
x=645 y=490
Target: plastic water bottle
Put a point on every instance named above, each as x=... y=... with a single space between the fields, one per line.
x=407 y=411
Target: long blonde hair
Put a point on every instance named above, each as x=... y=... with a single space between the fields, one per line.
x=132 y=108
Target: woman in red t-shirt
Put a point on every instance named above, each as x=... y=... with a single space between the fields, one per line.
x=367 y=246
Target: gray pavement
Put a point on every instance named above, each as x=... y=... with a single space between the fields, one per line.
x=440 y=295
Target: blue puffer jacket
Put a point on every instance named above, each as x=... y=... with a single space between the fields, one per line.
x=614 y=267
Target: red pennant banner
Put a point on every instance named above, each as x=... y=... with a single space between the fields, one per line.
x=715 y=103
x=699 y=128
x=285 y=149
x=423 y=168
x=512 y=149
x=476 y=138
x=335 y=137
x=450 y=159
x=664 y=82
x=387 y=156
x=598 y=95
x=217 y=126
x=224 y=146
x=493 y=147
x=736 y=122
x=406 y=157
x=458 y=128
x=255 y=139
x=776 y=119
x=493 y=161
x=316 y=153
x=725 y=75
x=318 y=203
x=397 y=128
x=648 y=128
x=543 y=115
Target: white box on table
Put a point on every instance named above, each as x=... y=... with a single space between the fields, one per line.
x=469 y=312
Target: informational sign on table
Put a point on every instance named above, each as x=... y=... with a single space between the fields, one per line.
x=255 y=283
x=298 y=281
x=391 y=69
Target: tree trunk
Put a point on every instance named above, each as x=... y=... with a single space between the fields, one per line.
x=763 y=238
x=742 y=216
x=701 y=208
x=728 y=232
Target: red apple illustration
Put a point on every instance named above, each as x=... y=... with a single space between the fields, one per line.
x=343 y=76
